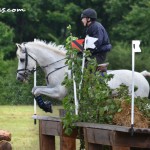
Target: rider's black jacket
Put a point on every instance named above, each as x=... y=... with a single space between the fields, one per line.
x=95 y=29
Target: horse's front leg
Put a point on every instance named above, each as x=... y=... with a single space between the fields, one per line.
x=36 y=87
x=57 y=92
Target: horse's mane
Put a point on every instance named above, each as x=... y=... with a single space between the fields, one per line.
x=50 y=45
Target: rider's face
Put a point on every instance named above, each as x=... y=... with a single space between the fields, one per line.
x=84 y=21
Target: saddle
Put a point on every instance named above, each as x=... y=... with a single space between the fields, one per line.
x=102 y=67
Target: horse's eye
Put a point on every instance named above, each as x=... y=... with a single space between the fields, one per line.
x=22 y=60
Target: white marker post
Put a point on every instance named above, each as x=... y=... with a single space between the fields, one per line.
x=34 y=98
x=75 y=92
x=135 y=48
x=75 y=96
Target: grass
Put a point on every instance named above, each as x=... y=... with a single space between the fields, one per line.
x=18 y=120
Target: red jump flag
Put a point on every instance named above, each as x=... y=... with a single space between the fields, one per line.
x=78 y=44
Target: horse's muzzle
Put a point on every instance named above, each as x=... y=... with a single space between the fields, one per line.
x=22 y=77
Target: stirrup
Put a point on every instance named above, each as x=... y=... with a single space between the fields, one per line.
x=102 y=67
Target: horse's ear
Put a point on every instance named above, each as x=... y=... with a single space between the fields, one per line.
x=18 y=45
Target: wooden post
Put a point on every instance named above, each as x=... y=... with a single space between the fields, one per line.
x=47 y=142
x=66 y=142
x=90 y=146
x=120 y=148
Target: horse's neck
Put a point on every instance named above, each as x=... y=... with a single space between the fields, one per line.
x=44 y=56
x=49 y=58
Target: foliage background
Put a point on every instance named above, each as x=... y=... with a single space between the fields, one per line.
x=124 y=20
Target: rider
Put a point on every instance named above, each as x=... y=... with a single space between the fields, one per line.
x=96 y=30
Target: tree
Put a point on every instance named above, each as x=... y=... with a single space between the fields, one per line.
x=47 y=20
x=131 y=23
x=6 y=40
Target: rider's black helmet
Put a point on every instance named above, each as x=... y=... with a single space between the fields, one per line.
x=89 y=13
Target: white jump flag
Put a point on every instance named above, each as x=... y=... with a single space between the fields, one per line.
x=135 y=48
x=89 y=42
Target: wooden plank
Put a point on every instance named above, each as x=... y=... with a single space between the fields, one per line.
x=47 y=142
x=102 y=126
x=111 y=127
x=137 y=140
x=107 y=137
x=99 y=136
x=50 y=127
x=46 y=118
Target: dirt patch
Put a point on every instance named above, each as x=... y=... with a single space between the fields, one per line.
x=123 y=118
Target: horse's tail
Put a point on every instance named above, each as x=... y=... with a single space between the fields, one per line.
x=145 y=73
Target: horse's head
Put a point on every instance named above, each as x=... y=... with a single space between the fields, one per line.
x=26 y=62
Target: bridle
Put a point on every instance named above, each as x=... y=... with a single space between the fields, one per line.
x=26 y=70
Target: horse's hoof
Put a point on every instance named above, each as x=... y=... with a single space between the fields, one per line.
x=48 y=106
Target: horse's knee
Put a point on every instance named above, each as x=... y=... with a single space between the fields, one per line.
x=33 y=90
x=36 y=92
x=62 y=93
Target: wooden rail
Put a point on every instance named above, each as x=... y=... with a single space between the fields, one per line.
x=95 y=135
